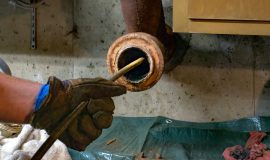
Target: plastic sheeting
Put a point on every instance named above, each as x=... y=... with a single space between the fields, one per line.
x=173 y=140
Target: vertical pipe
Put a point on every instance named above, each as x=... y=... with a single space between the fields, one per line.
x=147 y=36
x=148 y=16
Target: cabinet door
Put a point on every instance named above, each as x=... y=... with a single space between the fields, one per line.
x=255 y=10
x=245 y=17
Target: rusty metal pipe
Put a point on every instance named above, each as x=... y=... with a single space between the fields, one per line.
x=133 y=46
x=145 y=16
x=148 y=37
x=148 y=16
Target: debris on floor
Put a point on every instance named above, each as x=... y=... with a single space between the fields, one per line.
x=253 y=150
x=110 y=141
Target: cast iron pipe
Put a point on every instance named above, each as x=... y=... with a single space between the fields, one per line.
x=146 y=16
x=131 y=47
x=148 y=37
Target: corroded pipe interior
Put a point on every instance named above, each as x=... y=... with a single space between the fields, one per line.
x=139 y=73
x=131 y=47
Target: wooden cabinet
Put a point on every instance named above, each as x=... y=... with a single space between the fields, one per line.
x=249 y=17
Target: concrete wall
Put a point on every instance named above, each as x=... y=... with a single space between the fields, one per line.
x=222 y=77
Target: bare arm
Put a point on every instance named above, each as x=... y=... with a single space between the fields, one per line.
x=17 y=98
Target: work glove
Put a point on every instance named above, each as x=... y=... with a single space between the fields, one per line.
x=65 y=96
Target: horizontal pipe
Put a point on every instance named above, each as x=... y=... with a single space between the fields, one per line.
x=131 y=47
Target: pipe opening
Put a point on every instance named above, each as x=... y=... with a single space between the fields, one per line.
x=139 y=73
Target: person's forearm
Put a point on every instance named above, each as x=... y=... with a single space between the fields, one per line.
x=17 y=98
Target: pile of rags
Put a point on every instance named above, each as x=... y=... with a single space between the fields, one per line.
x=24 y=146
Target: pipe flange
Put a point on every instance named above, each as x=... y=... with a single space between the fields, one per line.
x=131 y=47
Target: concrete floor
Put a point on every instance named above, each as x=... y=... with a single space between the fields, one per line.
x=221 y=78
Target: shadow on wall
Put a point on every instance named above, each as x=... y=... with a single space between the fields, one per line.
x=263 y=104
x=227 y=51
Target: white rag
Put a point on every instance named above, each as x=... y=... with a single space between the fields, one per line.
x=27 y=143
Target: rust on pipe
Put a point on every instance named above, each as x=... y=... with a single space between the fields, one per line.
x=148 y=16
x=148 y=37
x=131 y=47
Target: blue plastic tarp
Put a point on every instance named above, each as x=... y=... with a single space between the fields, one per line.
x=173 y=140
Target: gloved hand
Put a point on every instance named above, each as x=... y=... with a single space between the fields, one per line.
x=64 y=96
